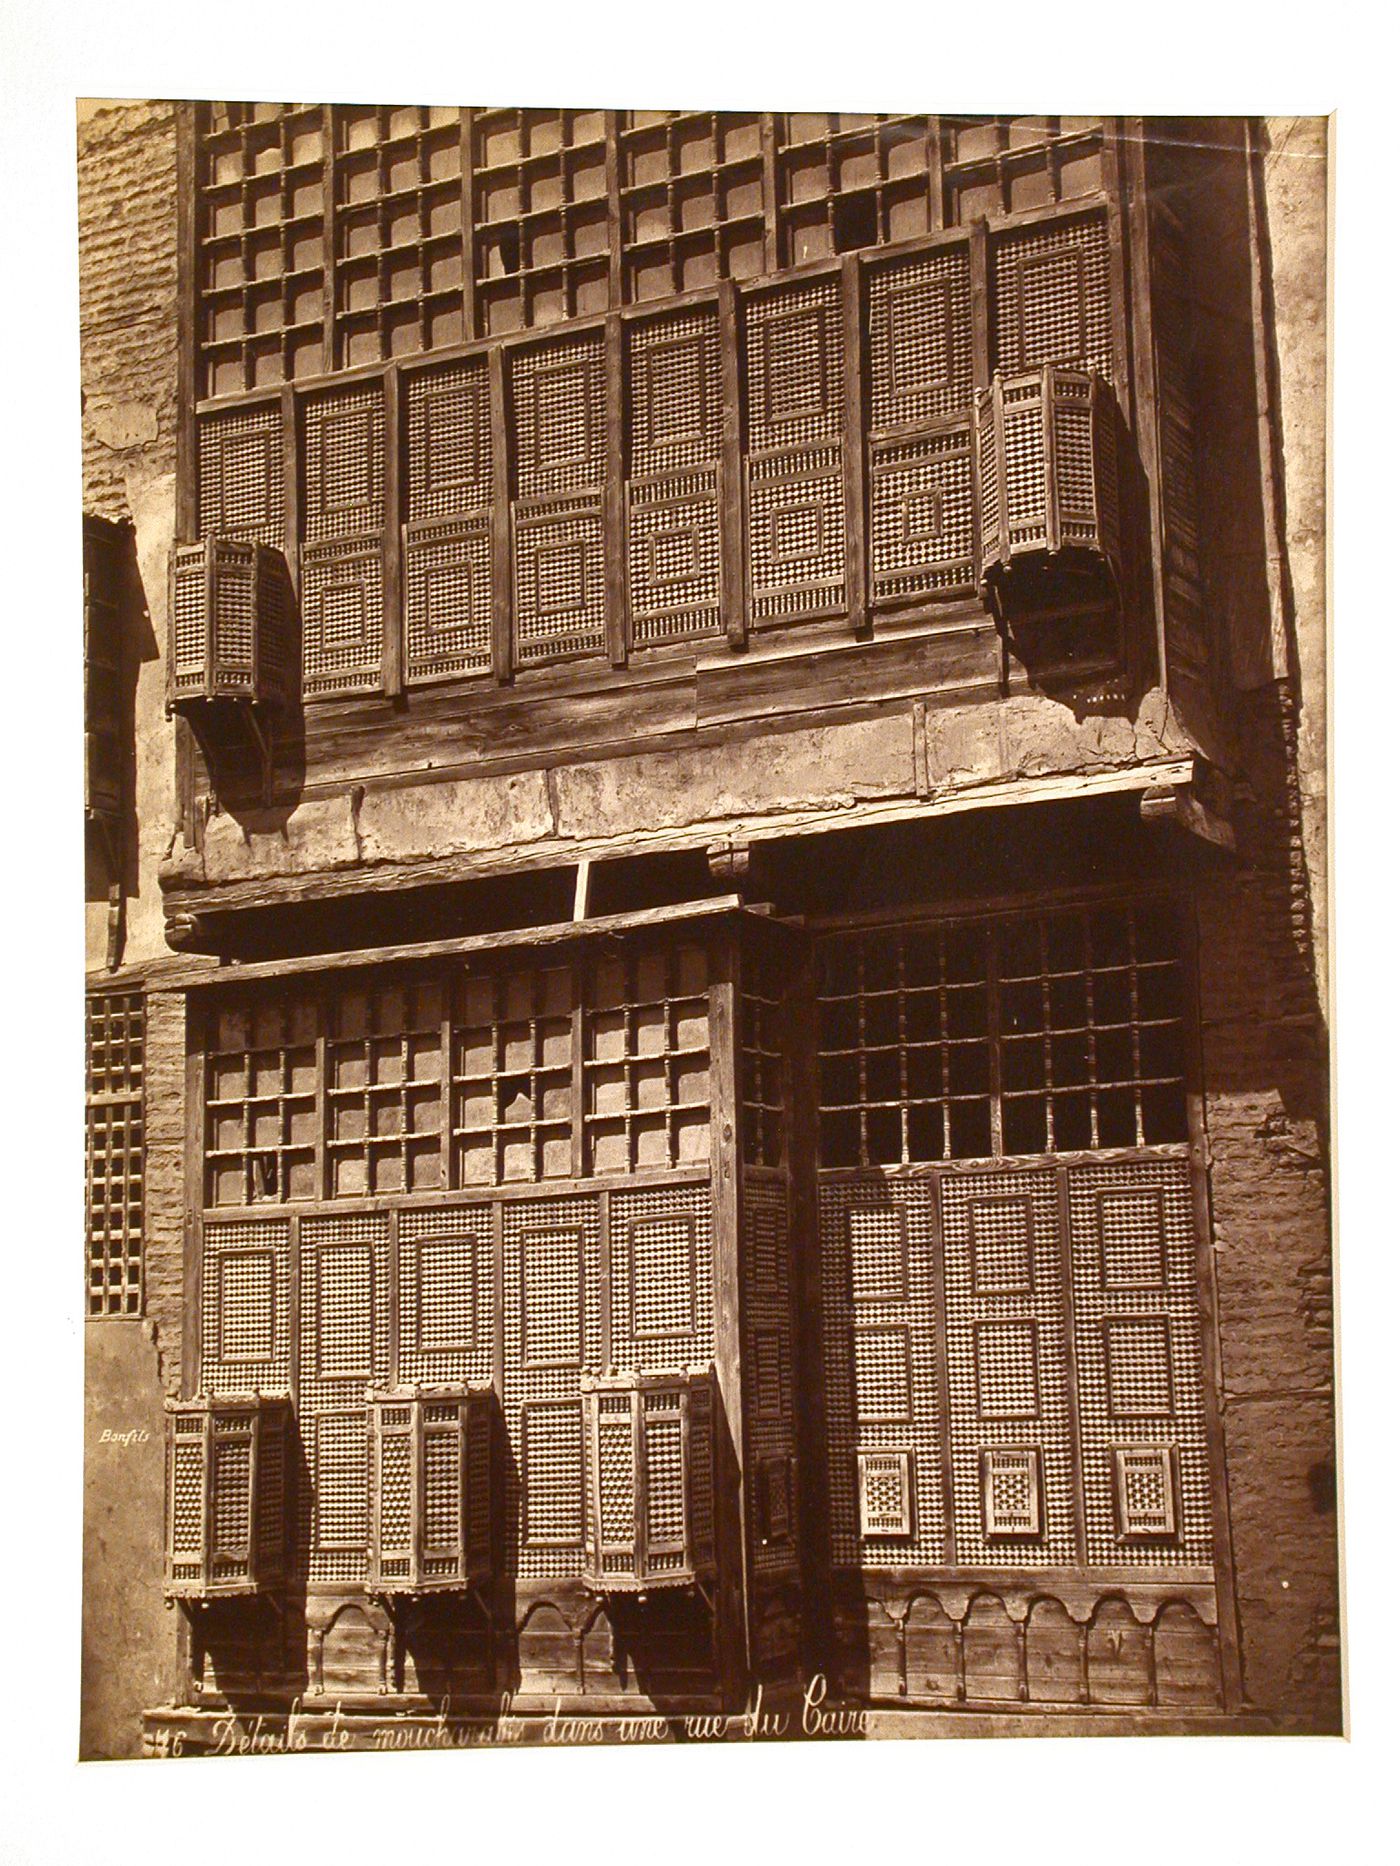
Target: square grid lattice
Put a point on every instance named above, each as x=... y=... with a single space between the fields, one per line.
x=260 y=243
x=540 y=216
x=245 y=1307
x=261 y=1109
x=647 y=1059
x=344 y=1331
x=384 y=1087
x=116 y=1153
x=553 y=1328
x=398 y=248
x=1004 y=165
x=692 y=199
x=1041 y=1034
x=762 y=1100
x=1138 y=1347
x=880 y=1330
x=513 y=1077
x=850 y=181
x=674 y=423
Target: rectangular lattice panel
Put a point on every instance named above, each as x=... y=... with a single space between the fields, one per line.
x=662 y=1277
x=922 y=535
x=763 y=1102
x=446 y=1305
x=398 y=218
x=1008 y=1369
x=261 y=1100
x=847 y=181
x=648 y=1480
x=691 y=189
x=1138 y=1347
x=673 y=557
x=241 y=476
x=385 y=1087
x=796 y=527
x=674 y=405
x=260 y=246
x=553 y=1323
x=342 y=617
x=885 y=1495
x=447 y=542
x=1050 y=298
x=879 y=1330
x=116 y=1153
x=540 y=216
x=226 y=1495
x=647 y=1059
x=345 y=1299
x=430 y=1516
x=343 y=440
x=770 y=1424
x=513 y=1105
x=920 y=324
x=245 y=1306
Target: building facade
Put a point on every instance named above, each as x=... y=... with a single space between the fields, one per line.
x=706 y=899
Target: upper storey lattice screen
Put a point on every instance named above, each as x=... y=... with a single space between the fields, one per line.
x=116 y=1028
x=329 y=237
x=1045 y=1034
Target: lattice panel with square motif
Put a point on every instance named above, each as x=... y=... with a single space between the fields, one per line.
x=342 y=617
x=553 y=1334
x=880 y=1316
x=446 y=1307
x=1050 y=298
x=920 y=313
x=661 y=1260
x=241 y=476
x=1007 y=1358
x=1138 y=1350
x=922 y=536
x=343 y=436
x=245 y=1306
x=116 y=1027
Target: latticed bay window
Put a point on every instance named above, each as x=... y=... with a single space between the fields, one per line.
x=115 y=1151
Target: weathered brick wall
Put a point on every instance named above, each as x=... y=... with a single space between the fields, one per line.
x=127 y=299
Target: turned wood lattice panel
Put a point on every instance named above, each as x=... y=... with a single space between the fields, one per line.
x=116 y=1153
x=226 y=1468
x=770 y=1391
x=446 y=1308
x=845 y=181
x=879 y=1336
x=512 y=1077
x=230 y=626
x=539 y=197
x=1006 y=165
x=763 y=1102
x=675 y=427
x=661 y=1264
x=559 y=402
x=343 y=1349
x=552 y=1293
x=793 y=468
x=430 y=1489
x=241 y=477
x=1050 y=298
x=1024 y=1274
x=1041 y=1034
x=1047 y=463
x=342 y=595
x=447 y=542
x=648 y=1480
x=245 y=1307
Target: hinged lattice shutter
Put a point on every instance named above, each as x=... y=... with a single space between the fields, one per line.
x=231 y=612
x=447 y=542
x=675 y=422
x=430 y=1489
x=342 y=563
x=226 y=1475
x=793 y=470
x=559 y=400
x=648 y=1480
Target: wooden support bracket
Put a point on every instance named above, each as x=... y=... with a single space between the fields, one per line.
x=1182 y=805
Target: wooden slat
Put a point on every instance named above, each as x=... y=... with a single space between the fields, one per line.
x=614 y=501
x=853 y=451
x=500 y=522
x=733 y=607
x=395 y=438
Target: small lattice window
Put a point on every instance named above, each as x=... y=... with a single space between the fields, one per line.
x=692 y=199
x=1144 y=1492
x=1011 y=1493
x=647 y=1060
x=885 y=1492
x=849 y=181
x=512 y=1077
x=116 y=1028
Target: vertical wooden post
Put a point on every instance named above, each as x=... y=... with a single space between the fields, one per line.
x=328 y=241
x=500 y=521
x=853 y=452
x=469 y=329
x=731 y=472
x=393 y=658
x=615 y=495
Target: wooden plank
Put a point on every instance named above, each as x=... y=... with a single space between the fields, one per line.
x=733 y=607
x=186 y=235
x=191 y=1327
x=615 y=499
x=291 y=487
x=328 y=344
x=468 y=230
x=980 y=281
x=603 y=926
x=1144 y=383
x=613 y=182
x=394 y=455
x=768 y=137
x=500 y=522
x=853 y=449
x=1076 y=1455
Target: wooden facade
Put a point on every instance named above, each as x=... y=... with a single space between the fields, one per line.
x=797 y=1259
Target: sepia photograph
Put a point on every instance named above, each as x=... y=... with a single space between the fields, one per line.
x=706 y=885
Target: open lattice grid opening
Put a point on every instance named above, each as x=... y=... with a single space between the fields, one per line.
x=116 y=1029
